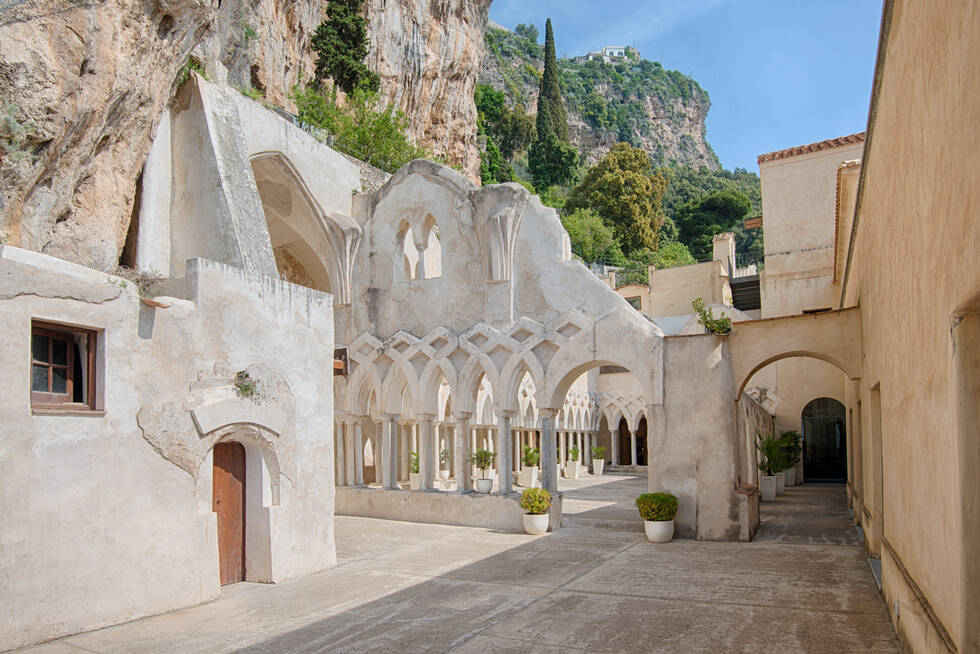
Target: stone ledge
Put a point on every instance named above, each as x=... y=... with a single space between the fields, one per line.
x=502 y=513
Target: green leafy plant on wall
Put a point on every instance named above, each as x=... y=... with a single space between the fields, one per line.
x=413 y=458
x=185 y=71
x=657 y=506
x=706 y=318
x=573 y=453
x=792 y=450
x=245 y=386
x=13 y=132
x=535 y=501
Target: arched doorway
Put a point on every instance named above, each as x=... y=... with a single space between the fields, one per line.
x=824 y=441
x=641 y=442
x=228 y=502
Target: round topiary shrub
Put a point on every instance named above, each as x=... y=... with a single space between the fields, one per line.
x=535 y=500
x=657 y=506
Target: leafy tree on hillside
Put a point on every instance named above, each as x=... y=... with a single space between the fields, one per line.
x=699 y=220
x=529 y=32
x=340 y=43
x=625 y=192
x=515 y=131
x=589 y=235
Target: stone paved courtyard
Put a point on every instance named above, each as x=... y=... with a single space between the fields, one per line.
x=803 y=586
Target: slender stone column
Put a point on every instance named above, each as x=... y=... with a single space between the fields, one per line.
x=389 y=451
x=562 y=455
x=505 y=481
x=632 y=447
x=580 y=438
x=349 y=464
x=517 y=451
x=463 y=482
x=420 y=267
x=549 y=463
x=340 y=472
x=359 y=451
x=404 y=465
x=614 y=446
x=427 y=444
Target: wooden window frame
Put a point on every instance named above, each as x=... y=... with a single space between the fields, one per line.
x=56 y=402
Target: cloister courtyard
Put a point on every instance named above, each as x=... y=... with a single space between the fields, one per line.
x=802 y=585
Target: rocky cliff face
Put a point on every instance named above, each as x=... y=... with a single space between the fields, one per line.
x=631 y=100
x=89 y=82
x=428 y=54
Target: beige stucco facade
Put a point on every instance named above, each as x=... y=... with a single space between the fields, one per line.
x=914 y=272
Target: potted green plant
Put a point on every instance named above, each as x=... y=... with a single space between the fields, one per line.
x=658 y=511
x=444 y=464
x=413 y=476
x=791 y=451
x=770 y=464
x=573 y=465
x=529 y=475
x=483 y=459
x=536 y=501
x=598 y=460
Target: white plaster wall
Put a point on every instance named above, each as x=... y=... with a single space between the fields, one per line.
x=673 y=289
x=695 y=457
x=99 y=527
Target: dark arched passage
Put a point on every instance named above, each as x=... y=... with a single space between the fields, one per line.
x=824 y=440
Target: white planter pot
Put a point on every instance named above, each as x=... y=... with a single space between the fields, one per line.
x=536 y=524
x=444 y=474
x=791 y=477
x=768 y=485
x=414 y=481
x=572 y=470
x=483 y=485
x=528 y=477
x=780 y=483
x=597 y=466
x=659 y=531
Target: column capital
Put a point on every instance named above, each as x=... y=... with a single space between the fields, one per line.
x=505 y=413
x=463 y=415
x=426 y=417
x=548 y=413
x=391 y=416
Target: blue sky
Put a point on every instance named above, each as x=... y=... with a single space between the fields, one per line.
x=780 y=73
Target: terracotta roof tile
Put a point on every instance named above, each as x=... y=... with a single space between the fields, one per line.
x=850 y=139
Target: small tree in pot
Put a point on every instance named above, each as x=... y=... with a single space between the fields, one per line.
x=772 y=462
x=573 y=465
x=413 y=476
x=791 y=452
x=598 y=459
x=537 y=502
x=658 y=511
x=483 y=459
x=529 y=475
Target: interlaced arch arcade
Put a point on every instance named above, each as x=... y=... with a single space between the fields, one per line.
x=503 y=327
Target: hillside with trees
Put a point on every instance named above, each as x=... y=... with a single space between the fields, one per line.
x=617 y=148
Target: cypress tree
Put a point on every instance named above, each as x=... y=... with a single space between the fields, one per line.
x=551 y=112
x=340 y=43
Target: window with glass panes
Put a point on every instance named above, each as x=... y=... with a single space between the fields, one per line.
x=62 y=366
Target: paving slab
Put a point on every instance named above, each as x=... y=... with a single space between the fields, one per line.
x=410 y=587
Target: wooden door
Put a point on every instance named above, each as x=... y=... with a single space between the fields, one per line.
x=228 y=492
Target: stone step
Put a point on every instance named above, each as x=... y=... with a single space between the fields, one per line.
x=601 y=523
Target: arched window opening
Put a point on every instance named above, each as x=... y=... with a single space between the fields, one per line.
x=406 y=255
x=432 y=256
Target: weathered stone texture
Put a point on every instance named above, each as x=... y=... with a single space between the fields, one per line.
x=94 y=79
x=428 y=54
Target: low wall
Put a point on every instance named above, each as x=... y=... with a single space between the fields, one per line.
x=501 y=512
